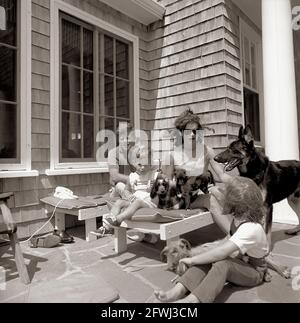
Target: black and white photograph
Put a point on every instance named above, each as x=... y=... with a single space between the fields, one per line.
x=149 y=154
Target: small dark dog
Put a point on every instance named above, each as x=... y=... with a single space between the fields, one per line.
x=188 y=188
x=166 y=192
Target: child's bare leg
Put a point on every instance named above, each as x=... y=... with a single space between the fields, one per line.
x=118 y=206
x=130 y=210
x=174 y=294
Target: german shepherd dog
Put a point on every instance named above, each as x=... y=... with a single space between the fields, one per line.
x=277 y=180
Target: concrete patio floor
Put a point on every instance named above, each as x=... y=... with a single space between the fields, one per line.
x=59 y=274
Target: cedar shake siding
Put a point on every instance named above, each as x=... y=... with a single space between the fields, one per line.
x=193 y=58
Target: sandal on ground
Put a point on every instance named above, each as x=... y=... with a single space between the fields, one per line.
x=136 y=236
x=143 y=237
x=102 y=231
x=110 y=222
x=108 y=225
x=64 y=236
x=50 y=241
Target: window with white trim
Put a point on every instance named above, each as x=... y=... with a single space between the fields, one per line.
x=15 y=85
x=96 y=87
x=250 y=55
x=9 y=93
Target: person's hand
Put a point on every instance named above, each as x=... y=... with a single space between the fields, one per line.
x=186 y=261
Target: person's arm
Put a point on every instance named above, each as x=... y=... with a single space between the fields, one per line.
x=113 y=166
x=217 y=168
x=116 y=177
x=167 y=167
x=217 y=254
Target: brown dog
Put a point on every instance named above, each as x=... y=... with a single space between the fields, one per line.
x=180 y=249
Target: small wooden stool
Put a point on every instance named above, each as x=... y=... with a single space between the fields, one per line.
x=9 y=227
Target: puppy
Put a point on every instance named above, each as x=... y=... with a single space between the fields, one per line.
x=188 y=188
x=166 y=192
x=180 y=249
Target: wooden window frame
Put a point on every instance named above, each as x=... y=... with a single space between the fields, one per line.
x=58 y=8
x=22 y=165
x=254 y=37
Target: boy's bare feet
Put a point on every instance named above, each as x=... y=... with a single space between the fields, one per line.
x=176 y=293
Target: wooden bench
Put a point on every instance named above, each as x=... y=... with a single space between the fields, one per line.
x=167 y=231
x=86 y=209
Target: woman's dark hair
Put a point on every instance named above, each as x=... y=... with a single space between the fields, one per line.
x=243 y=198
x=185 y=118
x=182 y=121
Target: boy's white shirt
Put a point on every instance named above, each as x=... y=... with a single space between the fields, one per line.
x=251 y=238
x=137 y=183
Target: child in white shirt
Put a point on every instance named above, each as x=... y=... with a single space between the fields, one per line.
x=208 y=272
x=140 y=184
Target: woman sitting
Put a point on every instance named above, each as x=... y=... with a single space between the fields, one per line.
x=192 y=155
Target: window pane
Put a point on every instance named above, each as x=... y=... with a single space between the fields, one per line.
x=88 y=92
x=8 y=131
x=7 y=74
x=8 y=35
x=251 y=103
x=107 y=123
x=123 y=99
x=247 y=75
x=247 y=49
x=109 y=96
x=253 y=55
x=70 y=43
x=88 y=57
x=70 y=88
x=88 y=137
x=254 y=82
x=109 y=54
x=71 y=135
x=122 y=60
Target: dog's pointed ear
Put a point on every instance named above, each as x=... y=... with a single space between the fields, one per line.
x=248 y=136
x=241 y=133
x=185 y=243
x=163 y=254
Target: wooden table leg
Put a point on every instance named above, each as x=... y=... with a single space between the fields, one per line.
x=20 y=263
x=120 y=240
x=90 y=225
x=60 y=221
